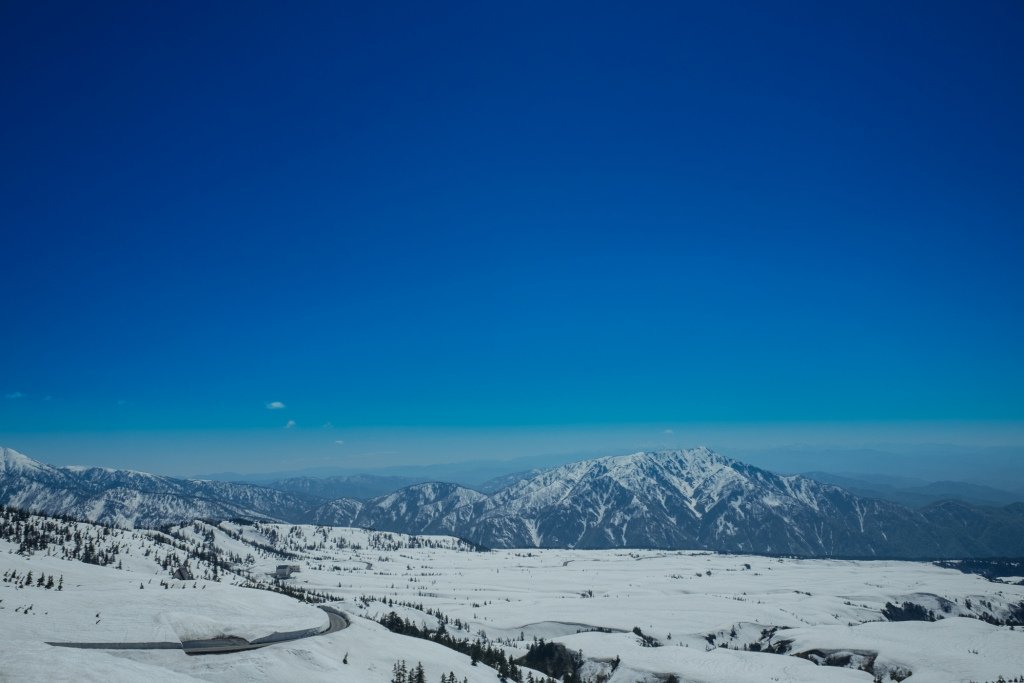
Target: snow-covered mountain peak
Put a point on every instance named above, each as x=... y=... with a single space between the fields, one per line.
x=693 y=498
x=691 y=457
x=683 y=467
x=99 y=472
x=11 y=461
x=427 y=492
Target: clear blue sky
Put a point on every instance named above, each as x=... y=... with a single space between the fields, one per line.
x=505 y=217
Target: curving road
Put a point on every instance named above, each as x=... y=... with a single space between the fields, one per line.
x=227 y=644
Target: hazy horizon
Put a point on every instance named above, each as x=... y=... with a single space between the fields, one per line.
x=985 y=453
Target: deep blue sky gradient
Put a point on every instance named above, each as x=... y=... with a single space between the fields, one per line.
x=496 y=215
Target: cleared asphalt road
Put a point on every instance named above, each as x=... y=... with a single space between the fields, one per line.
x=227 y=644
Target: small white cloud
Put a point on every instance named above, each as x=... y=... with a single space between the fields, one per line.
x=340 y=442
x=14 y=395
x=275 y=405
x=328 y=425
x=289 y=424
x=668 y=431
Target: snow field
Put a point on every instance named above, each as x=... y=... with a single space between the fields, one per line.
x=690 y=602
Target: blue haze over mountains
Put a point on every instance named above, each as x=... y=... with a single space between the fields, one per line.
x=695 y=499
x=952 y=472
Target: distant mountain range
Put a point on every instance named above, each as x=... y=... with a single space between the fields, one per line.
x=129 y=498
x=358 y=486
x=477 y=474
x=917 y=494
x=667 y=499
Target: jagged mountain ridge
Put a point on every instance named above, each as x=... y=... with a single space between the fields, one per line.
x=130 y=498
x=690 y=499
x=668 y=499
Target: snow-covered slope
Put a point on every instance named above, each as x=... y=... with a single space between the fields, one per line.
x=712 y=617
x=111 y=587
x=129 y=498
x=687 y=499
x=667 y=499
x=340 y=512
x=630 y=615
x=431 y=508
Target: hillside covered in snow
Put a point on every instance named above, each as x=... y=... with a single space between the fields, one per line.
x=693 y=499
x=141 y=598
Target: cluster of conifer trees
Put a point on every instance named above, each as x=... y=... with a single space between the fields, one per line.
x=552 y=658
x=27 y=580
x=403 y=673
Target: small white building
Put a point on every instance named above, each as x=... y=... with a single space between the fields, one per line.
x=285 y=571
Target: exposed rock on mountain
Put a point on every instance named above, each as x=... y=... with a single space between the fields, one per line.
x=669 y=499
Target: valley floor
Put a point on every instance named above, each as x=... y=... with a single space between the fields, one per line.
x=705 y=613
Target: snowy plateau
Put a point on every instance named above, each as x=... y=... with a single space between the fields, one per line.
x=355 y=604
